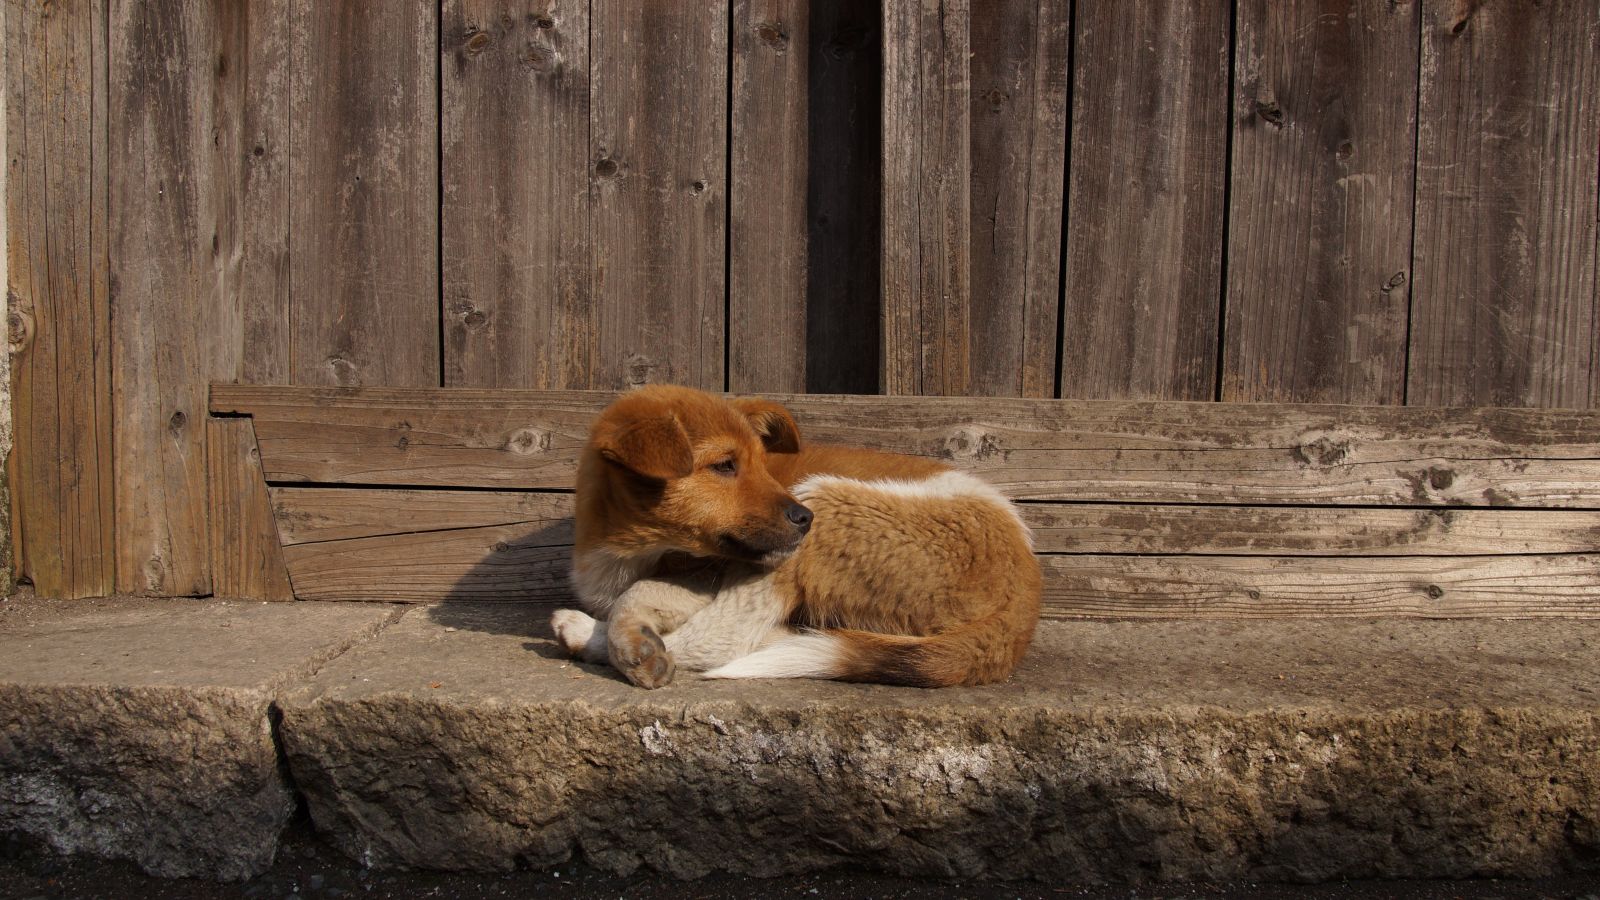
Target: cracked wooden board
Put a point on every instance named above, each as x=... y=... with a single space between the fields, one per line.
x=1101 y=451
x=1100 y=559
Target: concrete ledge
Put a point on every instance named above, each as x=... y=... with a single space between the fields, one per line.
x=139 y=729
x=1304 y=750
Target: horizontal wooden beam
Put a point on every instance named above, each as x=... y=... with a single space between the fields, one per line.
x=1121 y=560
x=1219 y=587
x=1271 y=531
x=311 y=515
x=1111 y=451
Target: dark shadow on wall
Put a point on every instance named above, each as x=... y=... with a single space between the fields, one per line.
x=529 y=572
x=843 y=203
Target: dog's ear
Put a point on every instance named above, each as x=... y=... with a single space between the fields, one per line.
x=655 y=447
x=773 y=423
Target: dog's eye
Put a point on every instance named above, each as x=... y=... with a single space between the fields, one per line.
x=725 y=467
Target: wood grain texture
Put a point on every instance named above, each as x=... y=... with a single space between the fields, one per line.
x=767 y=199
x=658 y=149
x=1145 y=218
x=60 y=467
x=312 y=514
x=1505 y=309
x=365 y=193
x=1018 y=147
x=437 y=438
x=927 y=269
x=251 y=99
x=518 y=303
x=411 y=545
x=1320 y=222
x=844 y=197
x=198 y=240
x=246 y=556
x=1157 y=529
x=344 y=544
x=1178 y=587
x=1152 y=452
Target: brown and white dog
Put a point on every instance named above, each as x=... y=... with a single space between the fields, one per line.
x=691 y=511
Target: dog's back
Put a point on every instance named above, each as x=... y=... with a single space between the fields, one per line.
x=927 y=582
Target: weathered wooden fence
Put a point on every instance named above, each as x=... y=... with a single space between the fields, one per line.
x=1367 y=201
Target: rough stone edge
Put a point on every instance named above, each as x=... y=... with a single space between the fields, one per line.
x=183 y=782
x=1073 y=796
x=57 y=805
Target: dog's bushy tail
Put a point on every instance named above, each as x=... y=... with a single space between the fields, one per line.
x=983 y=651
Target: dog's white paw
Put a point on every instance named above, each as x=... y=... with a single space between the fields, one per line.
x=573 y=629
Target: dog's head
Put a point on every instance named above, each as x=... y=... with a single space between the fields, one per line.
x=676 y=469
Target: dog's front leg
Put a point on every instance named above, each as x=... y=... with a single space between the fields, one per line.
x=631 y=639
x=744 y=617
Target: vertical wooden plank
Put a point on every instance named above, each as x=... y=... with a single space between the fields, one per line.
x=1505 y=310
x=8 y=568
x=927 y=303
x=767 y=203
x=198 y=243
x=1145 y=197
x=658 y=102
x=365 y=193
x=164 y=199
x=844 y=196
x=515 y=139
x=59 y=315
x=1019 y=145
x=246 y=554
x=252 y=109
x=1320 y=217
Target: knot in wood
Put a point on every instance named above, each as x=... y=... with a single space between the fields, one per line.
x=177 y=422
x=478 y=42
x=1441 y=478
x=1435 y=592
x=1268 y=110
x=543 y=23
x=19 y=327
x=345 y=373
x=970 y=444
x=501 y=546
x=774 y=35
x=538 y=59
x=474 y=318
x=1394 y=281
x=639 y=369
x=1498 y=498
x=528 y=441
x=1323 y=450
x=606 y=167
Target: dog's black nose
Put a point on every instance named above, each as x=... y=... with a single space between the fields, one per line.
x=799 y=517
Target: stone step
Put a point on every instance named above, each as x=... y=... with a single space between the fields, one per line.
x=456 y=737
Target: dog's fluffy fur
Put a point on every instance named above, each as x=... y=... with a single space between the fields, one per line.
x=912 y=573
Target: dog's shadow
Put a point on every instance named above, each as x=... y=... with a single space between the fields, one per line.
x=513 y=590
